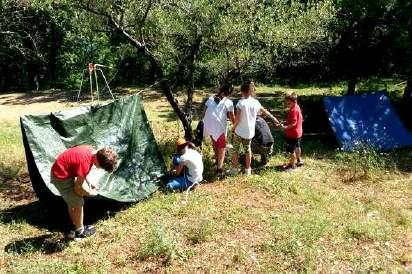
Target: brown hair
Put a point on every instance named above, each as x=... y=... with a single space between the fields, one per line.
x=225 y=89
x=292 y=97
x=246 y=87
x=107 y=159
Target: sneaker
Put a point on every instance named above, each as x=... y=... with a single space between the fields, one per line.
x=219 y=173
x=194 y=186
x=300 y=163
x=263 y=160
x=233 y=171
x=87 y=231
x=248 y=171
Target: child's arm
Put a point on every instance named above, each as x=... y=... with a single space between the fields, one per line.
x=179 y=168
x=78 y=189
x=231 y=115
x=268 y=114
x=294 y=121
x=237 y=119
x=292 y=125
x=177 y=165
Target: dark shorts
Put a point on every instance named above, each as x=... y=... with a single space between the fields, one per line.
x=292 y=144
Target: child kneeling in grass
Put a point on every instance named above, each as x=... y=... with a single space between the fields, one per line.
x=293 y=132
x=187 y=166
x=68 y=174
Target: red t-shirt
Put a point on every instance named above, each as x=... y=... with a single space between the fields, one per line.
x=74 y=162
x=294 y=115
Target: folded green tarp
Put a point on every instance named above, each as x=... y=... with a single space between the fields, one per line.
x=121 y=125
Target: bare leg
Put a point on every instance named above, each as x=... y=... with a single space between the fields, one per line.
x=235 y=160
x=248 y=159
x=216 y=156
x=292 y=159
x=220 y=157
x=76 y=215
x=298 y=153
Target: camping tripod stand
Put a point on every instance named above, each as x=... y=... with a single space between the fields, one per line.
x=93 y=69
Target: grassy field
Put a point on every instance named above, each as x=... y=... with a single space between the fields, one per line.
x=341 y=212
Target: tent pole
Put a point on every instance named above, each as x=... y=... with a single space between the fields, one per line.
x=81 y=84
x=107 y=84
x=97 y=85
x=91 y=84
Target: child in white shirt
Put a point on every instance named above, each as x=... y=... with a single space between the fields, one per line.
x=244 y=127
x=218 y=109
x=187 y=166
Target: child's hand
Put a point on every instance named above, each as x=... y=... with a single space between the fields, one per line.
x=93 y=192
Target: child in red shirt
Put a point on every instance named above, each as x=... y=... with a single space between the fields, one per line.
x=68 y=174
x=293 y=132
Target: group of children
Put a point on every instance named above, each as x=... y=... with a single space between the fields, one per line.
x=247 y=120
x=69 y=171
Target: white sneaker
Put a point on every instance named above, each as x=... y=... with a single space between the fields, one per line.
x=248 y=171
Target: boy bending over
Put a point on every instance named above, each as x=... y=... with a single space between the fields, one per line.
x=68 y=174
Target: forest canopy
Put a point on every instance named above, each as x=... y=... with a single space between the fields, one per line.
x=180 y=45
x=203 y=42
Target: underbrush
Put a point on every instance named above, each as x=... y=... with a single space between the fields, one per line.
x=158 y=243
x=364 y=164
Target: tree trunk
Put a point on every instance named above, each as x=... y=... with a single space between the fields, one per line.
x=167 y=91
x=352 y=85
x=153 y=71
x=407 y=94
x=165 y=84
x=189 y=104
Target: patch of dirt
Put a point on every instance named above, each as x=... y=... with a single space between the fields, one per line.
x=13 y=105
x=246 y=195
x=18 y=189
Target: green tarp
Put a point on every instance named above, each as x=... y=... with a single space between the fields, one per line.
x=121 y=125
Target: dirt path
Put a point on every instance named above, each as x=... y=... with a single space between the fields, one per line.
x=13 y=105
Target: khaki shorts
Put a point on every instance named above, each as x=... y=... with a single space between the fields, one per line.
x=66 y=190
x=241 y=145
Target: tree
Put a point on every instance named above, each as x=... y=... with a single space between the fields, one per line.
x=221 y=40
x=401 y=47
x=363 y=34
x=29 y=49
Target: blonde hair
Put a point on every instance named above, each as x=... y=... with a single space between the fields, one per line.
x=292 y=96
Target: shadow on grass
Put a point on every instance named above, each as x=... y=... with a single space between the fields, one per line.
x=40 y=97
x=55 y=218
x=47 y=244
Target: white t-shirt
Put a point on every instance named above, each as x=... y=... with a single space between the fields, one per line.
x=193 y=161
x=249 y=109
x=215 y=120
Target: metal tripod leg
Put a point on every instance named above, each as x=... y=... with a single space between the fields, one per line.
x=107 y=85
x=81 y=85
x=91 y=85
x=97 y=85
